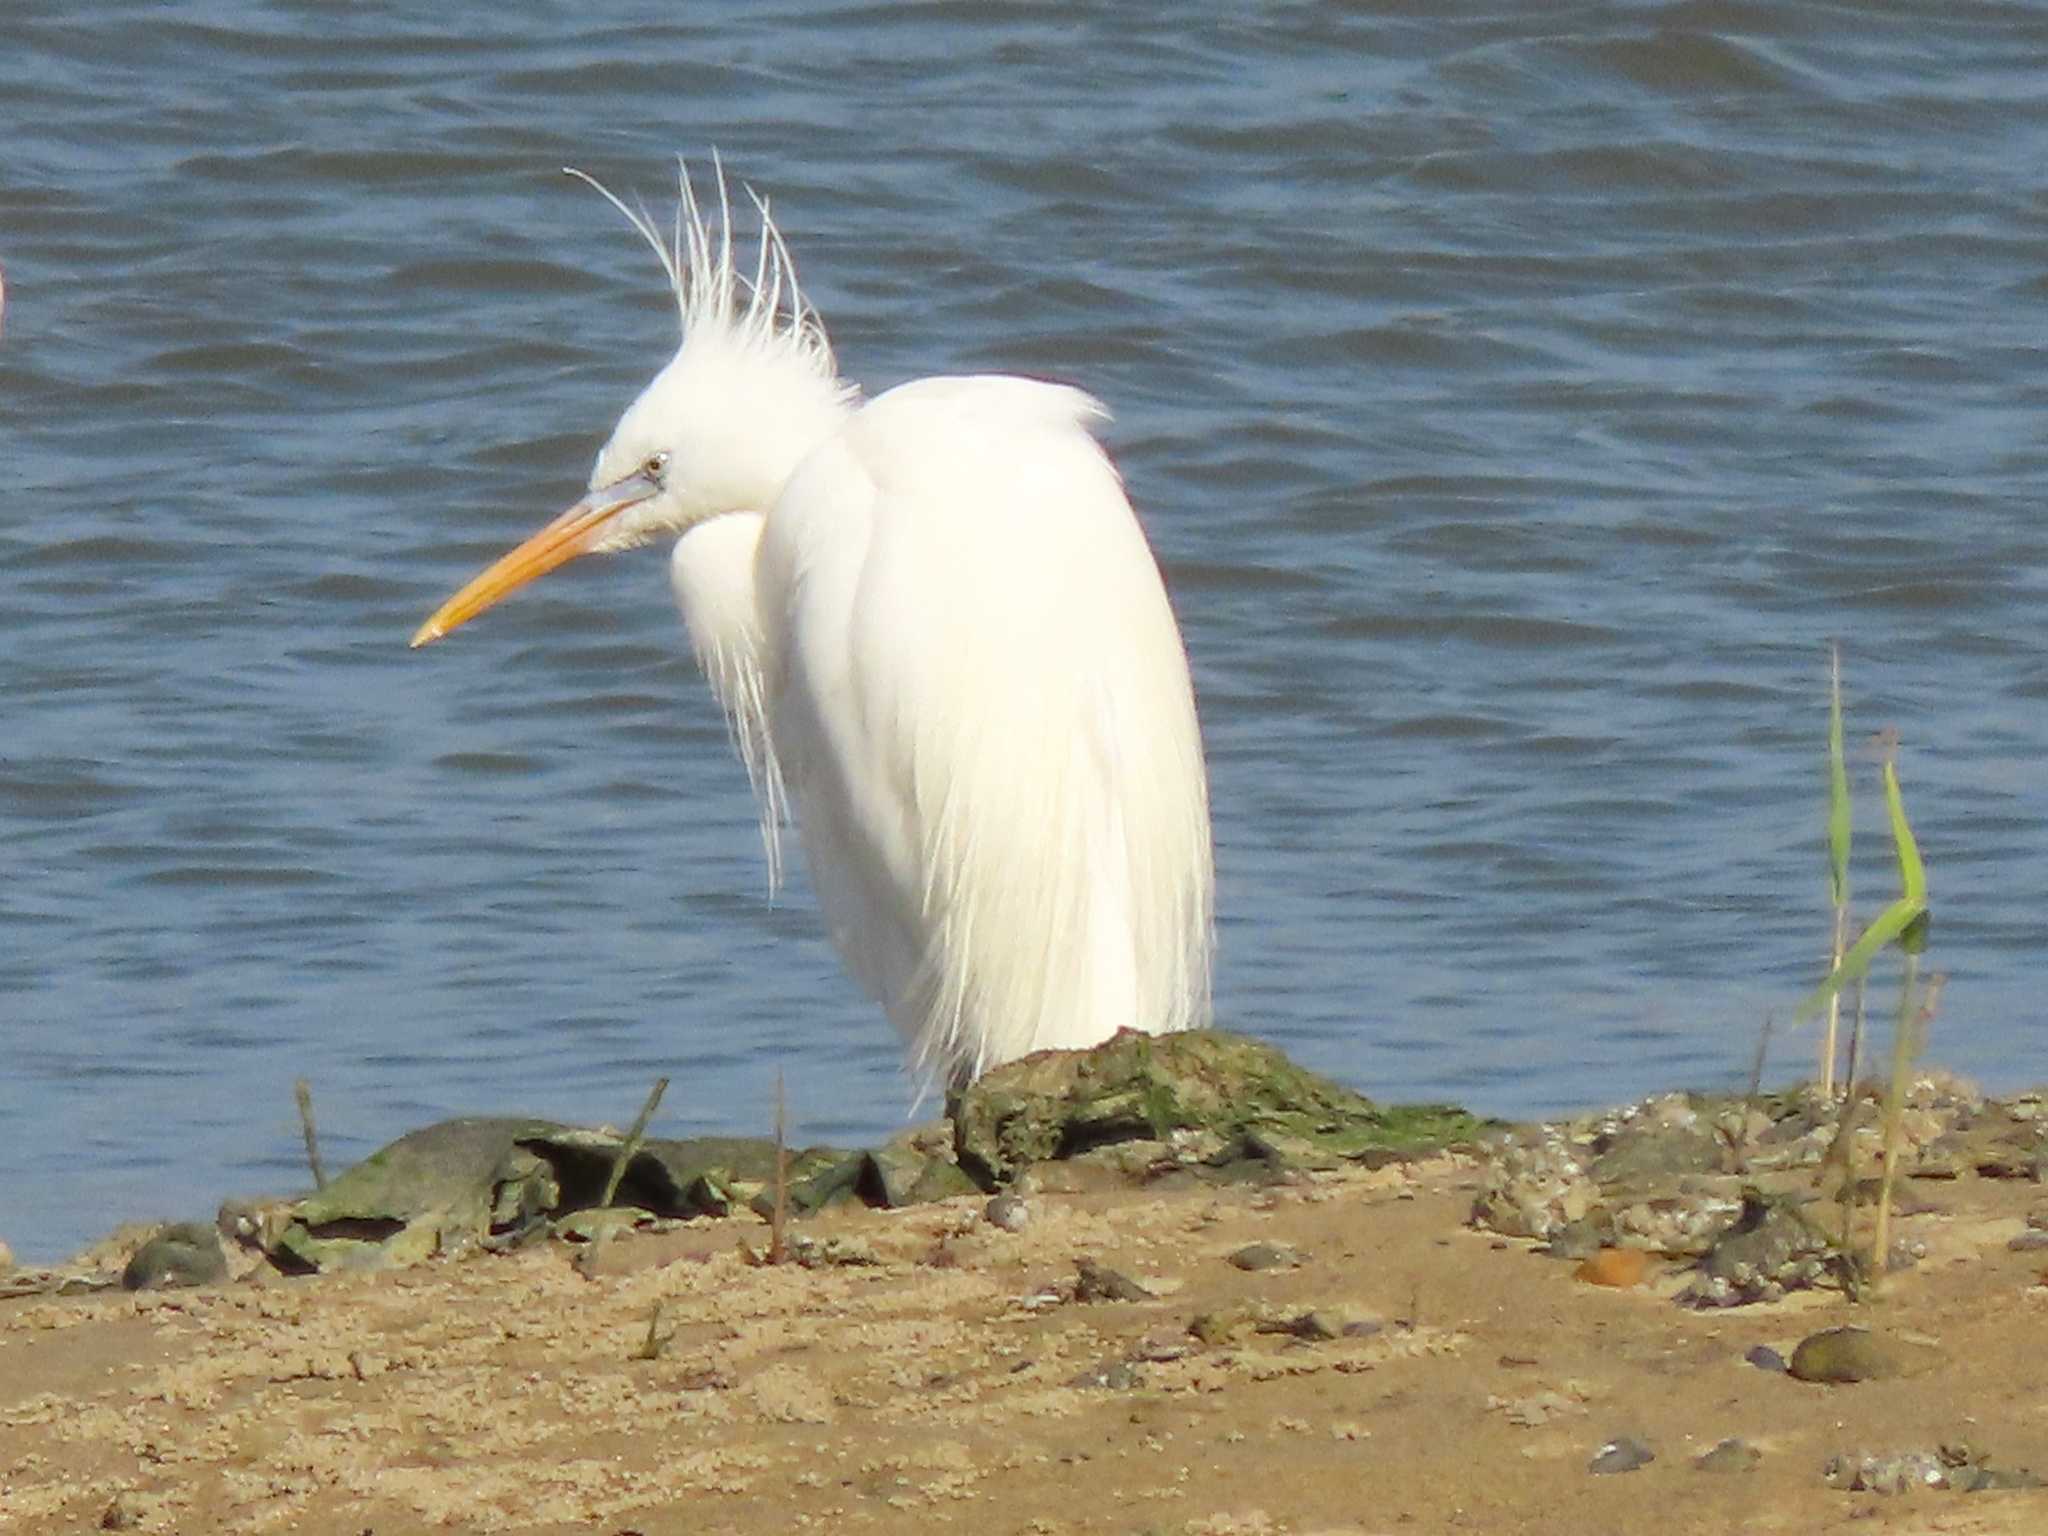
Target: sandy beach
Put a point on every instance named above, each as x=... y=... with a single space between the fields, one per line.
x=1336 y=1351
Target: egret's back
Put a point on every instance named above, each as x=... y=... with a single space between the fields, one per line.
x=980 y=702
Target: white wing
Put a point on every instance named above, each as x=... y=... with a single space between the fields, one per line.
x=981 y=705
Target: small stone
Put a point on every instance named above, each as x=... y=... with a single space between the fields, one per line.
x=1841 y=1355
x=1765 y=1358
x=1624 y=1453
x=119 y=1515
x=1009 y=1212
x=186 y=1253
x=1900 y=1472
x=2029 y=1241
x=1113 y=1376
x=1161 y=1347
x=1993 y=1479
x=1537 y=1409
x=1579 y=1239
x=1259 y=1256
x=1730 y=1455
x=1222 y=1327
x=1098 y=1282
x=1617 y=1267
x=1310 y=1327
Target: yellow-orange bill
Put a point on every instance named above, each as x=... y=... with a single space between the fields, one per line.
x=576 y=532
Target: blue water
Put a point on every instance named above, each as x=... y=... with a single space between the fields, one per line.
x=1518 y=401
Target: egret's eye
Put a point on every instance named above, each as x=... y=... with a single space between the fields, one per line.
x=656 y=466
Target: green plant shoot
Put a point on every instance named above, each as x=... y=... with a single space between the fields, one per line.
x=1901 y=921
x=1838 y=858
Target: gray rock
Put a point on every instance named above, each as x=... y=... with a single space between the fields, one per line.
x=1993 y=1479
x=1111 y=1375
x=1309 y=1327
x=1579 y=1239
x=187 y=1253
x=1656 y=1154
x=1890 y=1472
x=1009 y=1212
x=1731 y=1455
x=1769 y=1249
x=1624 y=1453
x=1260 y=1256
x=1765 y=1358
x=1535 y=1186
x=1098 y=1282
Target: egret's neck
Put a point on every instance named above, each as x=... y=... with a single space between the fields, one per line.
x=712 y=571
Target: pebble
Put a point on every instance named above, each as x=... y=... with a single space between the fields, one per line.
x=2029 y=1241
x=1009 y=1212
x=1624 y=1453
x=1258 y=1256
x=1310 y=1327
x=1579 y=1239
x=1098 y=1282
x=1731 y=1455
x=1765 y=1358
x=1841 y=1355
x=1162 y=1347
x=1114 y=1376
x=1993 y=1479
x=1617 y=1267
x=1537 y=1409
x=1899 y=1472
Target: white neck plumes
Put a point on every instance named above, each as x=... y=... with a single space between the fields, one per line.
x=752 y=388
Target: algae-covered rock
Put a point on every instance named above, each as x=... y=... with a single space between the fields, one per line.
x=1841 y=1355
x=499 y=1181
x=898 y=1174
x=1200 y=1084
x=431 y=1191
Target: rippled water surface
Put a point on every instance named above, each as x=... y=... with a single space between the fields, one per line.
x=1519 y=400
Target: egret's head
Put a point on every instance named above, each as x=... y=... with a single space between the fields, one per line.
x=750 y=391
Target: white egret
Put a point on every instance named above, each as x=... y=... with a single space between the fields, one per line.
x=940 y=640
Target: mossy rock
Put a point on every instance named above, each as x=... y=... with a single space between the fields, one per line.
x=1136 y=1087
x=476 y=1182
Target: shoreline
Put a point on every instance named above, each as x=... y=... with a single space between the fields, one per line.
x=1334 y=1349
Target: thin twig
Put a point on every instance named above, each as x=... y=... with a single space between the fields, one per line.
x=303 y=1092
x=652 y=1346
x=1830 y=1046
x=1895 y=1110
x=630 y=1147
x=778 y=1220
x=1855 y=1039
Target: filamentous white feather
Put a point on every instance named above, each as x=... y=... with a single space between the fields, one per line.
x=941 y=639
